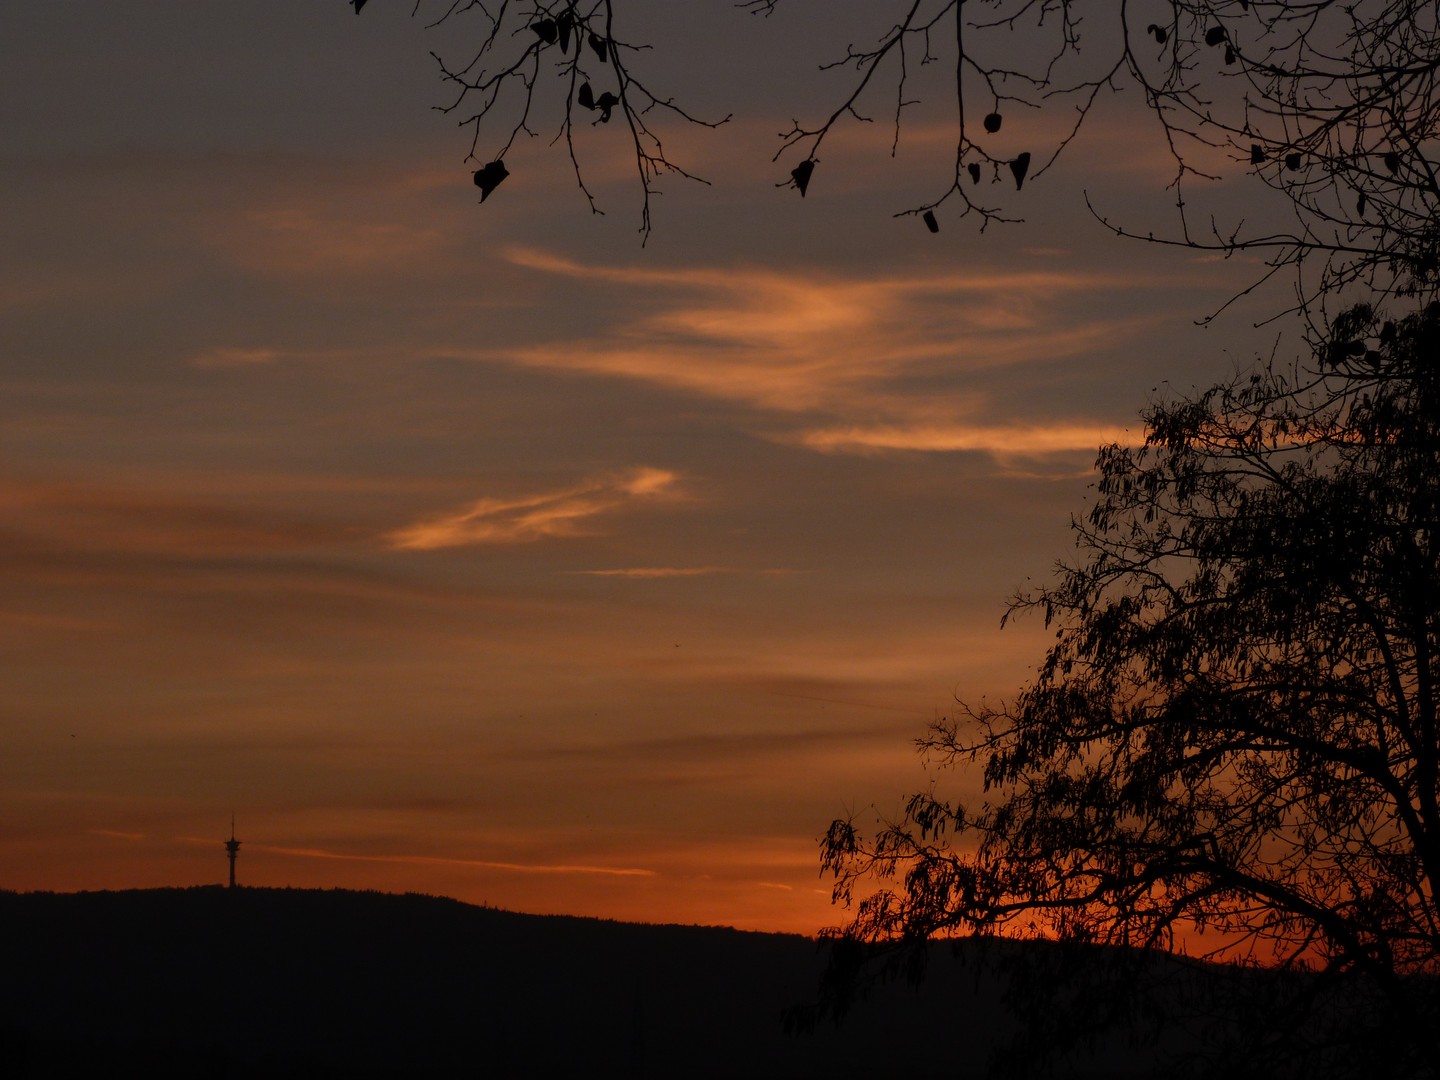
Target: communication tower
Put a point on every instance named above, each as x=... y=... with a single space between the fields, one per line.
x=232 y=849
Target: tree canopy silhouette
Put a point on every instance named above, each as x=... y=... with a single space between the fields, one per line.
x=1232 y=745
x=1332 y=103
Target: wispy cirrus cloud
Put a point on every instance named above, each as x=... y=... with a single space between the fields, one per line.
x=480 y=864
x=339 y=220
x=565 y=512
x=226 y=357
x=672 y=571
x=218 y=357
x=439 y=860
x=851 y=362
x=791 y=342
x=83 y=517
x=1001 y=440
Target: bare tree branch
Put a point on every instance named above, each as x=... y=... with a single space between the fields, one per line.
x=1333 y=104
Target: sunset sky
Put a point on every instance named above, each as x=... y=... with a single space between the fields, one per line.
x=481 y=550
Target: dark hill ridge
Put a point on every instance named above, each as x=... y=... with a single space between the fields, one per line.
x=210 y=981
x=280 y=982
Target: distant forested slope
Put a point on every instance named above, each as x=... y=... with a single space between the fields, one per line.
x=277 y=982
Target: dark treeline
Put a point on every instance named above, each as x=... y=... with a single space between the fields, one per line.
x=278 y=982
x=212 y=982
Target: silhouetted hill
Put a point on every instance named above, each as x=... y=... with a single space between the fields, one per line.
x=279 y=982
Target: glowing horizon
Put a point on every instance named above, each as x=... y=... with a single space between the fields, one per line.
x=482 y=551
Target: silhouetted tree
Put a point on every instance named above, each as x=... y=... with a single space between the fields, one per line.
x=1231 y=747
x=1332 y=103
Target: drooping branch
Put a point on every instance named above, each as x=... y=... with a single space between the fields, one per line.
x=526 y=51
x=1331 y=104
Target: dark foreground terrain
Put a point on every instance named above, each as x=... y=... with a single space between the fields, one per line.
x=208 y=982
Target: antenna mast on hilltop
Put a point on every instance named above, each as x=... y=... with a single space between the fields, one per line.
x=232 y=849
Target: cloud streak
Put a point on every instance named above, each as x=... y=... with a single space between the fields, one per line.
x=86 y=517
x=564 y=513
x=792 y=342
x=672 y=572
x=1001 y=441
x=437 y=860
x=850 y=363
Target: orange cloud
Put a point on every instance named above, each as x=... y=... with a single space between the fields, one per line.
x=229 y=357
x=863 y=349
x=331 y=226
x=89 y=518
x=308 y=241
x=566 y=512
x=671 y=571
x=435 y=860
x=1001 y=441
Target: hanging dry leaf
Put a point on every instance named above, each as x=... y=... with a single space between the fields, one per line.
x=1019 y=167
x=488 y=178
x=801 y=174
